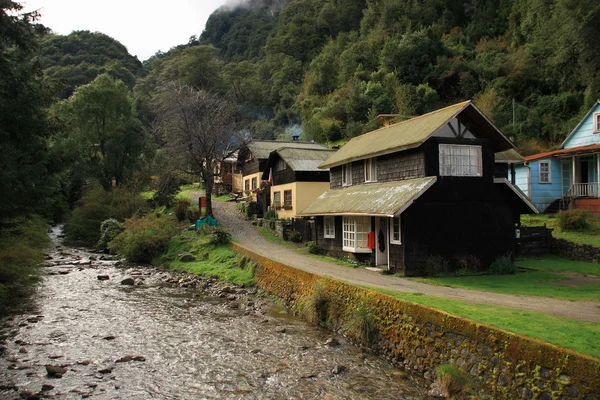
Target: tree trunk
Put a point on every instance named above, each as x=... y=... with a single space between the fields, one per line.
x=209 y=183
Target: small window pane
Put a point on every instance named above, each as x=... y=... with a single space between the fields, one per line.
x=329 y=227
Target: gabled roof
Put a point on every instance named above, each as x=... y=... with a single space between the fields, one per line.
x=562 y=145
x=508 y=156
x=302 y=159
x=262 y=148
x=414 y=132
x=386 y=199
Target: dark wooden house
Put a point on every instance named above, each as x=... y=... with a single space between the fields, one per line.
x=419 y=190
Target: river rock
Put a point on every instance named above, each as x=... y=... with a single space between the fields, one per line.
x=338 y=369
x=46 y=387
x=280 y=329
x=186 y=257
x=332 y=342
x=103 y=277
x=227 y=289
x=109 y=337
x=130 y=357
x=106 y=369
x=128 y=282
x=55 y=371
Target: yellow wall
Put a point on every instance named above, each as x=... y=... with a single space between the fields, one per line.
x=248 y=178
x=303 y=193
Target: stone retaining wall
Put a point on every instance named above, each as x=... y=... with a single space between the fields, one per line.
x=574 y=251
x=420 y=338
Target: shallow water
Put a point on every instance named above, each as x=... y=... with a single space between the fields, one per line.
x=190 y=344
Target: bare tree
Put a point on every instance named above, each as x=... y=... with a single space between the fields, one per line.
x=199 y=128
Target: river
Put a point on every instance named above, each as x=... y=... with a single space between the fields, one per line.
x=158 y=340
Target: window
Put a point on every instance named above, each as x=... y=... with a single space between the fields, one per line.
x=287 y=198
x=395 y=231
x=329 y=228
x=597 y=123
x=544 y=172
x=276 y=199
x=371 y=170
x=254 y=183
x=280 y=165
x=346 y=174
x=247 y=185
x=355 y=234
x=460 y=160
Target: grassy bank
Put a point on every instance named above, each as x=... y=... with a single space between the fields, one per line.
x=211 y=260
x=590 y=236
x=22 y=248
x=543 y=278
x=580 y=336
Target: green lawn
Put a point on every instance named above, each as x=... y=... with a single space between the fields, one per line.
x=542 y=282
x=581 y=336
x=590 y=236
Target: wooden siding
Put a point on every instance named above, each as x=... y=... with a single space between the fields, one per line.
x=584 y=135
x=522 y=178
x=251 y=167
x=543 y=194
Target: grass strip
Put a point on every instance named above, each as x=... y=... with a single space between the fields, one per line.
x=581 y=336
x=589 y=236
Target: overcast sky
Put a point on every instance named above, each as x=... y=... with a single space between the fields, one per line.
x=139 y=25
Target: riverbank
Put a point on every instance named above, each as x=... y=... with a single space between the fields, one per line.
x=420 y=338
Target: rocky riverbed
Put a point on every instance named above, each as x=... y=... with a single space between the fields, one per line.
x=100 y=328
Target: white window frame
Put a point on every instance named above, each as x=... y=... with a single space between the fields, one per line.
x=460 y=160
x=355 y=238
x=347 y=174
x=329 y=227
x=597 y=122
x=371 y=169
x=277 y=198
x=393 y=231
x=549 y=171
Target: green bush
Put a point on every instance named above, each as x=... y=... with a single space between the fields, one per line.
x=251 y=209
x=573 y=220
x=434 y=265
x=294 y=236
x=312 y=247
x=503 y=265
x=109 y=229
x=361 y=324
x=167 y=186
x=180 y=207
x=144 y=238
x=219 y=236
x=193 y=214
x=450 y=380
x=270 y=215
x=96 y=206
x=21 y=254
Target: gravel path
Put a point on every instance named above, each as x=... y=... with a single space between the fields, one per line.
x=248 y=236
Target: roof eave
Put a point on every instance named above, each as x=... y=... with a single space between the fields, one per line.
x=562 y=145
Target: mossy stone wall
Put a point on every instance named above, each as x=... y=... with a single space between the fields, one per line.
x=420 y=338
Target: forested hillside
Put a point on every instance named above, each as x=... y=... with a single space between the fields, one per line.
x=76 y=59
x=532 y=66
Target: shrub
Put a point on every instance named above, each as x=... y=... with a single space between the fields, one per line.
x=434 y=265
x=180 y=207
x=294 y=236
x=450 y=380
x=219 y=236
x=167 y=187
x=96 y=206
x=251 y=209
x=312 y=247
x=316 y=305
x=270 y=215
x=361 y=324
x=193 y=214
x=109 y=229
x=503 y=265
x=144 y=238
x=573 y=220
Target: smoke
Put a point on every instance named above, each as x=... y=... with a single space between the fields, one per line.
x=270 y=5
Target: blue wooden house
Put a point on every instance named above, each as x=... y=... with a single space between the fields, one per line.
x=567 y=177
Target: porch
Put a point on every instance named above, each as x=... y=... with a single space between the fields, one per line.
x=580 y=183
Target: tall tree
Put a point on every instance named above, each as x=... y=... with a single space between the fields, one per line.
x=200 y=130
x=103 y=131
x=24 y=165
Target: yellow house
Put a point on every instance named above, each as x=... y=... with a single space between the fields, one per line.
x=253 y=157
x=296 y=179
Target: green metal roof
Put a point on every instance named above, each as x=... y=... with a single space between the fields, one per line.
x=387 y=199
x=304 y=159
x=403 y=135
x=509 y=156
x=262 y=148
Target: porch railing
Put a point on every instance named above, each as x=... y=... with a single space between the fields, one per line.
x=584 y=190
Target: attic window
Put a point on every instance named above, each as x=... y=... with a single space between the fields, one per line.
x=280 y=165
x=597 y=123
x=460 y=160
x=371 y=170
x=347 y=174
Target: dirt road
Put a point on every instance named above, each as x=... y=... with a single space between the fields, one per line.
x=248 y=236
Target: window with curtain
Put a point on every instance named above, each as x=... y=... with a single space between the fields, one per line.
x=460 y=160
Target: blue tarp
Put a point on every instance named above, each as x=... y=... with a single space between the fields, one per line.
x=206 y=220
